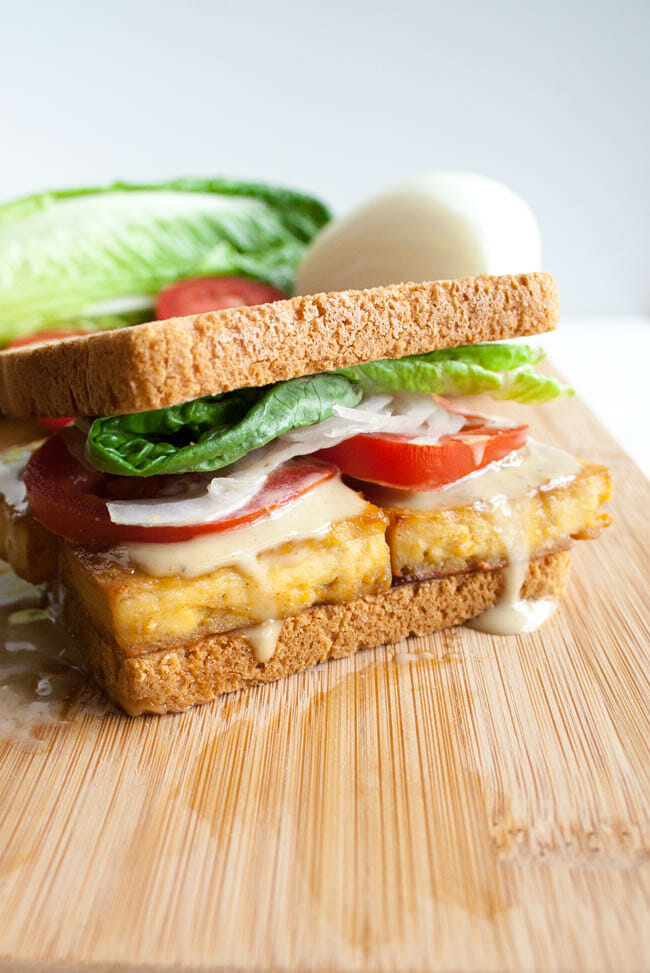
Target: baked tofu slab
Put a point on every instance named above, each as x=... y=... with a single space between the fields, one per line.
x=357 y=557
x=195 y=672
x=141 y=613
x=446 y=540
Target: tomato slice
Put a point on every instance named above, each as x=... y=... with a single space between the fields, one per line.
x=197 y=294
x=70 y=499
x=36 y=338
x=397 y=461
x=56 y=422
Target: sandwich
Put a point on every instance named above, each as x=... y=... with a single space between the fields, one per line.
x=248 y=492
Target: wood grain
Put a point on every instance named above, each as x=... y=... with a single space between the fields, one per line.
x=487 y=808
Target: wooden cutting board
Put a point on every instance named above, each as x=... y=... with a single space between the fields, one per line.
x=485 y=807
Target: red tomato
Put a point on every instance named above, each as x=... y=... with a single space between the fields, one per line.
x=70 y=499
x=36 y=338
x=55 y=423
x=197 y=294
x=396 y=461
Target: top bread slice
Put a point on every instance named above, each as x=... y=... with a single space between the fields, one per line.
x=150 y=366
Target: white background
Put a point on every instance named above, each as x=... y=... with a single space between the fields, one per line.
x=341 y=98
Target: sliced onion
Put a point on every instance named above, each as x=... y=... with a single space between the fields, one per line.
x=405 y=414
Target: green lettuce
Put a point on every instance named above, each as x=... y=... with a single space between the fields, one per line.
x=530 y=387
x=499 y=370
x=97 y=257
x=210 y=433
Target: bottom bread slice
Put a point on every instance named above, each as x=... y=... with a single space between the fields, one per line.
x=198 y=671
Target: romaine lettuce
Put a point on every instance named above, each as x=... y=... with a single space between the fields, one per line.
x=210 y=433
x=98 y=257
x=500 y=370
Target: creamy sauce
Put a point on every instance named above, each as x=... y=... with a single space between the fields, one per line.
x=512 y=615
x=406 y=658
x=40 y=669
x=41 y=672
x=264 y=638
x=533 y=467
x=12 y=467
x=477 y=446
x=309 y=516
x=509 y=614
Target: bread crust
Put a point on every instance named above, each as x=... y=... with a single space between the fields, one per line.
x=150 y=366
x=173 y=679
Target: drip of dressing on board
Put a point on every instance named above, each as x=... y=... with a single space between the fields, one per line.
x=406 y=658
x=40 y=669
x=511 y=614
x=539 y=467
x=536 y=466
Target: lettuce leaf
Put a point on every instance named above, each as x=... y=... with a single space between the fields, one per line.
x=500 y=370
x=97 y=257
x=210 y=433
x=531 y=388
x=496 y=356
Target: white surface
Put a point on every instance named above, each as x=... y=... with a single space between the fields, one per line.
x=606 y=360
x=344 y=98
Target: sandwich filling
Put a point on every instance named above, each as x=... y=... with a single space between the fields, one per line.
x=238 y=510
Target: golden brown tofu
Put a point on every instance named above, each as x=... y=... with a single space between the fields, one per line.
x=426 y=543
x=141 y=612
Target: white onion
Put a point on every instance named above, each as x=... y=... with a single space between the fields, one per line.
x=406 y=413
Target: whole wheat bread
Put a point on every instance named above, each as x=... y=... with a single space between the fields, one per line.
x=164 y=363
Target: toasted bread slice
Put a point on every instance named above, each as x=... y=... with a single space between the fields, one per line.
x=164 y=363
x=183 y=675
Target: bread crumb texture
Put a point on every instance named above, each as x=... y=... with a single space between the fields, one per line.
x=150 y=366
